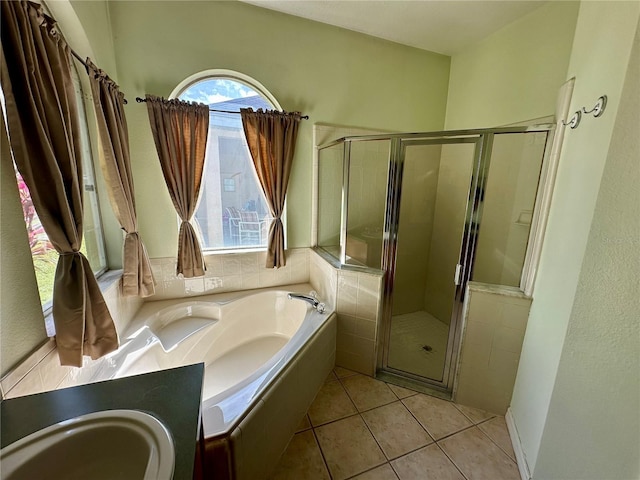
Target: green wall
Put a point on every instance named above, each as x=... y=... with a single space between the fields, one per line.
x=602 y=29
x=333 y=75
x=576 y=350
x=21 y=321
x=596 y=399
x=514 y=74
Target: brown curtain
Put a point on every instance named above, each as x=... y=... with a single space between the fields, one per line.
x=44 y=131
x=180 y=132
x=137 y=279
x=271 y=137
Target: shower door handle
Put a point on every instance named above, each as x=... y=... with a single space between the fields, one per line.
x=456 y=277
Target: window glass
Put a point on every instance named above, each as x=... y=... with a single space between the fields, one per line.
x=232 y=212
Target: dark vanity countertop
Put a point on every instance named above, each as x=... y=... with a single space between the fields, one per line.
x=173 y=396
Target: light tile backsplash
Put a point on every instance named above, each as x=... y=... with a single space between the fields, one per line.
x=495 y=320
x=229 y=272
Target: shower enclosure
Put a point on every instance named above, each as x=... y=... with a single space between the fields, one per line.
x=433 y=211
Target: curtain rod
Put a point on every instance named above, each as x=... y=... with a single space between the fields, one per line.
x=143 y=100
x=86 y=66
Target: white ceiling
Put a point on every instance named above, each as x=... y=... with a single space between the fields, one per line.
x=439 y=26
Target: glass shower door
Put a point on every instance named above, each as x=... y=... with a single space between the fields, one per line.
x=433 y=215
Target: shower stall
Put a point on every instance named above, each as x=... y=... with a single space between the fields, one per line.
x=432 y=211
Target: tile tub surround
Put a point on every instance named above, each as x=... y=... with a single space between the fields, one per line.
x=229 y=272
x=358 y=299
x=253 y=448
x=395 y=434
x=41 y=371
x=495 y=320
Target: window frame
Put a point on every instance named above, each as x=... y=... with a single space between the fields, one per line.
x=225 y=74
x=89 y=154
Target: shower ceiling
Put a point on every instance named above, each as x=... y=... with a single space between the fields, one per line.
x=445 y=27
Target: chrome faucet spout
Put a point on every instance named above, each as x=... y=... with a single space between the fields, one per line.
x=311 y=300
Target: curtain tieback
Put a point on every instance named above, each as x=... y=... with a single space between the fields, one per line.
x=64 y=254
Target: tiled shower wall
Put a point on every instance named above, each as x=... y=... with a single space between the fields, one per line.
x=494 y=326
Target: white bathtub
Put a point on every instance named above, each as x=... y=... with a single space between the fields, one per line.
x=256 y=346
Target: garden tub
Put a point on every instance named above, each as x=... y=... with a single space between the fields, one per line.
x=265 y=355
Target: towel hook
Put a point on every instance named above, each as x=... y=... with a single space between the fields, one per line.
x=599 y=107
x=575 y=120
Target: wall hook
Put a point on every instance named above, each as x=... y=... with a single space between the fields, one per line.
x=575 y=120
x=599 y=107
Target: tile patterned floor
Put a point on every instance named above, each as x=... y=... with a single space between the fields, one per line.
x=359 y=428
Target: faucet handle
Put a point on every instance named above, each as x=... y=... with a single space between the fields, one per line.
x=320 y=307
x=313 y=294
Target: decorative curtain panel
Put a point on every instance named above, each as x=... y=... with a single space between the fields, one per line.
x=271 y=137
x=44 y=132
x=180 y=133
x=137 y=279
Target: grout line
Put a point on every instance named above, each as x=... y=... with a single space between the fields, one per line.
x=334 y=421
x=419 y=422
x=411 y=451
x=471 y=419
x=373 y=468
x=372 y=408
x=374 y=438
x=449 y=435
x=326 y=465
x=496 y=444
x=452 y=462
x=394 y=470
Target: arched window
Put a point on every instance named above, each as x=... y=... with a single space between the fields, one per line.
x=232 y=212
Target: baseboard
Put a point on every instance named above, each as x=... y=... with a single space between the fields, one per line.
x=521 y=459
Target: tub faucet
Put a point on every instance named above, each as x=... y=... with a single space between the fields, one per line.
x=310 y=299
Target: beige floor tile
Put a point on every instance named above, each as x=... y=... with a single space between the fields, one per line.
x=348 y=447
x=478 y=458
x=343 y=372
x=474 y=414
x=395 y=429
x=401 y=392
x=331 y=403
x=304 y=424
x=367 y=392
x=496 y=429
x=331 y=377
x=439 y=417
x=301 y=459
x=383 y=472
x=428 y=463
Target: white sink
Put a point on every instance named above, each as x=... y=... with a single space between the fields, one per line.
x=110 y=444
